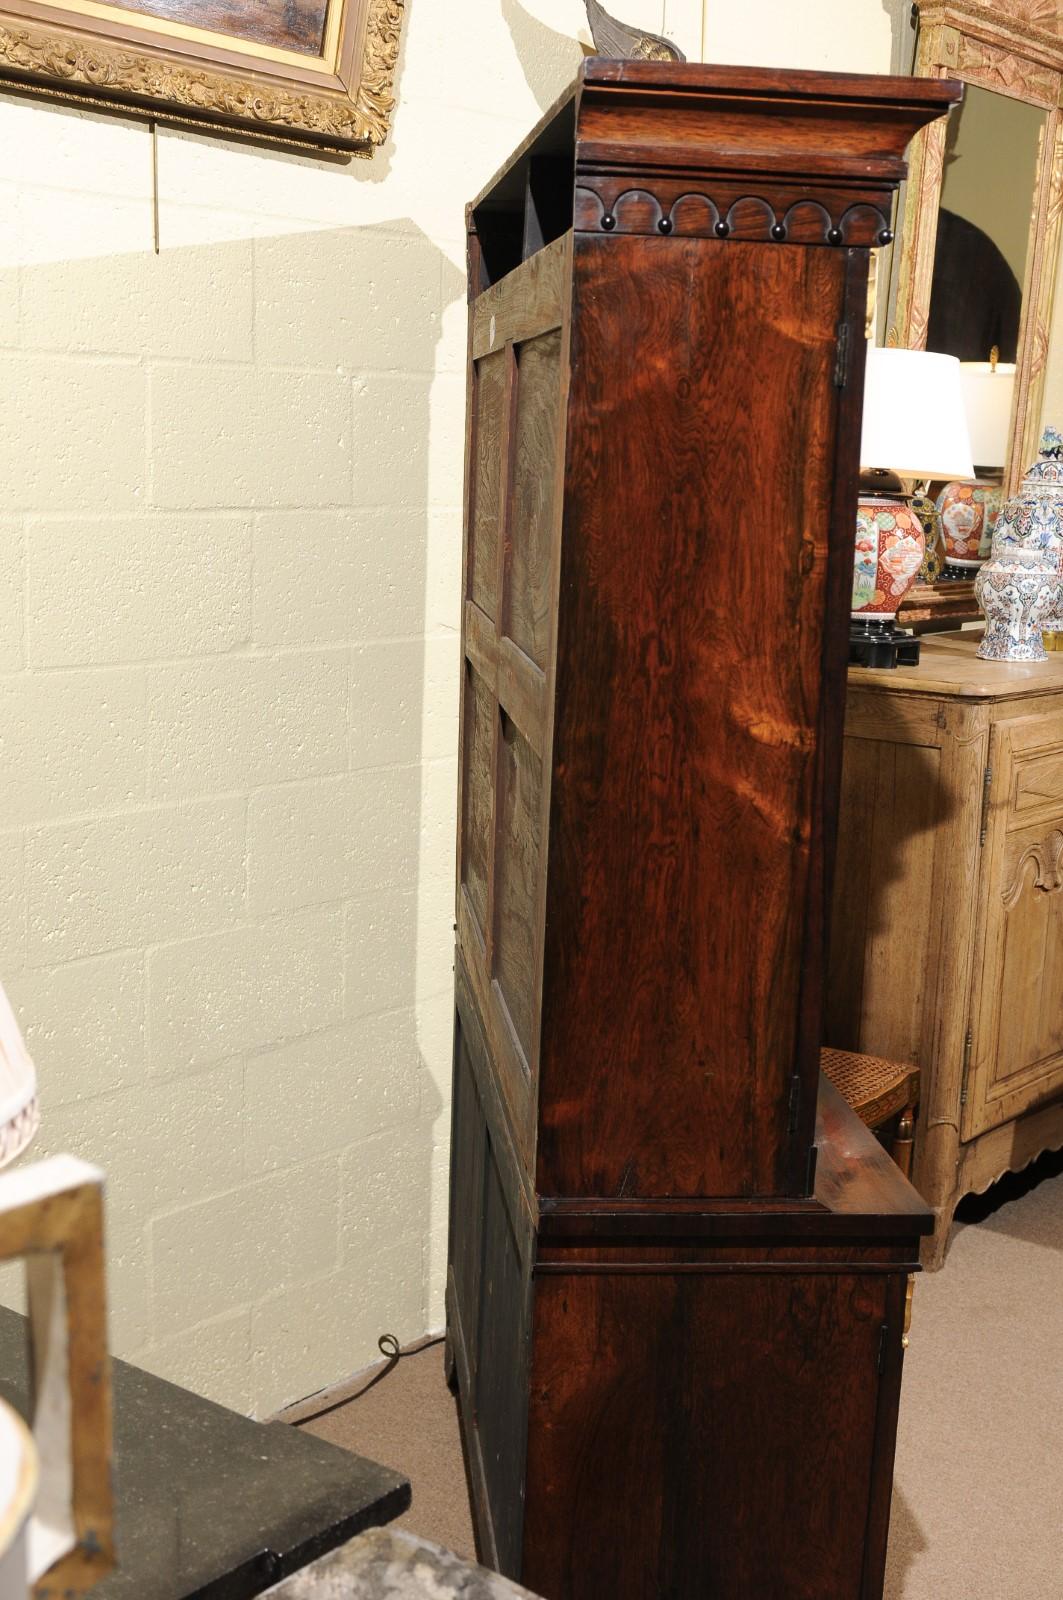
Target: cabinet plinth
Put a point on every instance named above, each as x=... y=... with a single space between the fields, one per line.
x=667 y=289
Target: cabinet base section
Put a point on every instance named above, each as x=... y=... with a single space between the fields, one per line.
x=691 y=1435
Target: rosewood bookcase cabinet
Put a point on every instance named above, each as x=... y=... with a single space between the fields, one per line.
x=678 y=1264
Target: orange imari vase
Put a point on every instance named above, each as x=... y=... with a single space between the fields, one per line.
x=968 y=516
x=890 y=546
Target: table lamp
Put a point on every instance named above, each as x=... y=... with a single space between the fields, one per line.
x=969 y=511
x=18 y=1088
x=914 y=428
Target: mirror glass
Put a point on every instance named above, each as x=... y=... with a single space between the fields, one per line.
x=987 y=195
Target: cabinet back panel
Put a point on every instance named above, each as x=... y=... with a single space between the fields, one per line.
x=532 y=513
x=477 y=794
x=490 y=391
x=687 y=874
x=517 y=882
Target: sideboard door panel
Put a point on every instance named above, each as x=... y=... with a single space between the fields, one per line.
x=891 y=803
x=1019 y=1035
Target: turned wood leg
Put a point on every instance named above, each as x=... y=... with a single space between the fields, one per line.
x=934 y=1248
x=904 y=1139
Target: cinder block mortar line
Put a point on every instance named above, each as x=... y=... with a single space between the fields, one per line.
x=247 y=920
x=87 y=358
x=151 y=803
x=266 y=1180
x=246 y=652
x=243 y=1308
x=147 y=514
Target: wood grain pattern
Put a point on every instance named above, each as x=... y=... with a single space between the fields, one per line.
x=491 y=391
x=948 y=941
x=535 y=475
x=678 y=1351
x=527 y=303
x=685 y=725
x=1017 y=1048
x=893 y=803
x=715 y=1445
x=477 y=824
x=518 y=848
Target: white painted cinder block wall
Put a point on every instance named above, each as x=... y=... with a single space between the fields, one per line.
x=230 y=482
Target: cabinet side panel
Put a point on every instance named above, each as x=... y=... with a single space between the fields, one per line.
x=698 y=1434
x=531 y=532
x=700 y=567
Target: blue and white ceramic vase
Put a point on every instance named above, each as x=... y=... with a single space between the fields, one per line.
x=1018 y=591
x=1021 y=588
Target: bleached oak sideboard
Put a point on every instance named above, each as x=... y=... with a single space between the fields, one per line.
x=947 y=941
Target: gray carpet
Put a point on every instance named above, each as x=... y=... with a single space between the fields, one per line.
x=978 y=1502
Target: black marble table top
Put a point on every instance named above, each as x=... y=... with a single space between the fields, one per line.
x=209 y=1505
x=390 y=1564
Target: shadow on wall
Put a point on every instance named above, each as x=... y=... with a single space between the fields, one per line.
x=549 y=60
x=230 y=752
x=903 y=34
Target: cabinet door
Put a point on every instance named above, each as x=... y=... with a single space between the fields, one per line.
x=1017 y=1043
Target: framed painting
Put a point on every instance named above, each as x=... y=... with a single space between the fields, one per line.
x=303 y=72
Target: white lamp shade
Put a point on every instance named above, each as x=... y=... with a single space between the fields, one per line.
x=914 y=416
x=18 y=1087
x=987 y=396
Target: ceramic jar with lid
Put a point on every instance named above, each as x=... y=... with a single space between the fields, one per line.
x=1021 y=588
x=1019 y=592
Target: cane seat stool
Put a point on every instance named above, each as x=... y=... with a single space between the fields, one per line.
x=878 y=1091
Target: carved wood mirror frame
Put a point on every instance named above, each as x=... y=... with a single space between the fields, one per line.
x=1015 y=48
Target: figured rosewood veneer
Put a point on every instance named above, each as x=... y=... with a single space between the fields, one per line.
x=650 y=1289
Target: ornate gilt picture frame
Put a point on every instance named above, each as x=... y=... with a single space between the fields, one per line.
x=296 y=72
x=1015 y=48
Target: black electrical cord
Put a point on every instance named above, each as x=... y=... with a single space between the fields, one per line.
x=392 y=1351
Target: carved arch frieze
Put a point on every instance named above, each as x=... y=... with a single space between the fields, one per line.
x=606 y=207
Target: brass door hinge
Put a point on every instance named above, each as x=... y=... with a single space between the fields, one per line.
x=968 y=1044
x=987 y=784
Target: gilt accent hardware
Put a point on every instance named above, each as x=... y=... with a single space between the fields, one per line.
x=908 y=1294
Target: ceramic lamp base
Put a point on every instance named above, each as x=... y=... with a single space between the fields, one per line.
x=878 y=642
